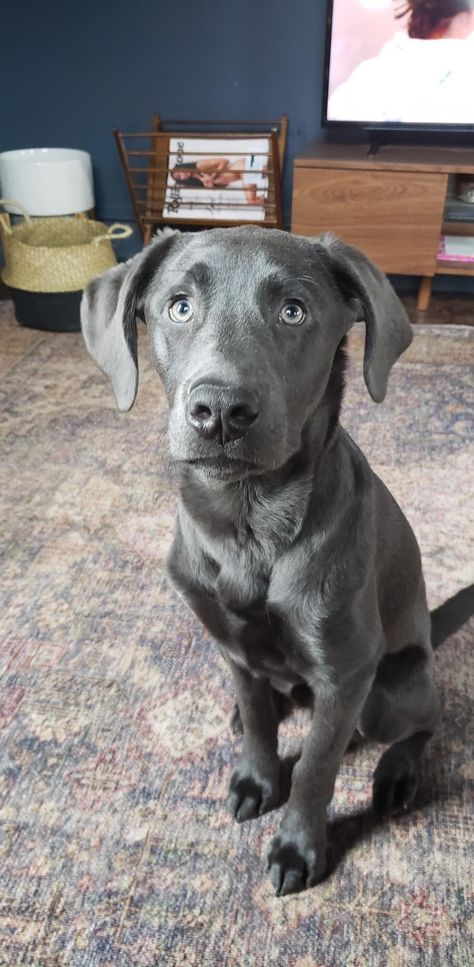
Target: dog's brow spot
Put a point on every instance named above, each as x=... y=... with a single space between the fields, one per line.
x=200 y=274
x=275 y=283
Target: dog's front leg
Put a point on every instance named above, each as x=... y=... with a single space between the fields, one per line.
x=297 y=854
x=255 y=782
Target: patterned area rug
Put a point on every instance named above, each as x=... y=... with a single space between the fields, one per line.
x=115 y=846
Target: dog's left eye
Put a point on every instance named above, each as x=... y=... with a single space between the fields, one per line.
x=292 y=314
x=180 y=309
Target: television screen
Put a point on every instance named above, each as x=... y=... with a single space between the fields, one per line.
x=393 y=62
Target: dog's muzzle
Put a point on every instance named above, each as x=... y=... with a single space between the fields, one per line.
x=219 y=413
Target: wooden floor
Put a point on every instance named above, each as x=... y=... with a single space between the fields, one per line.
x=444 y=309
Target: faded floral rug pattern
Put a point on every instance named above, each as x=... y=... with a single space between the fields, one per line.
x=115 y=844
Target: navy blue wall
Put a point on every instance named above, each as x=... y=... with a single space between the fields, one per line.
x=72 y=71
x=77 y=70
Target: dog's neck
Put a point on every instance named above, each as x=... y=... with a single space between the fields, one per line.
x=266 y=508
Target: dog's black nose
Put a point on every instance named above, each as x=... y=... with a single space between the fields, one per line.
x=221 y=413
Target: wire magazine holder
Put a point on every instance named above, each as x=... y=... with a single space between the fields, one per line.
x=204 y=173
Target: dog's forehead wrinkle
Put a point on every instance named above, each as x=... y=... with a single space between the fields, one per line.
x=239 y=263
x=281 y=281
x=231 y=287
x=228 y=254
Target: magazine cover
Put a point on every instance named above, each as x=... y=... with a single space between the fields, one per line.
x=217 y=178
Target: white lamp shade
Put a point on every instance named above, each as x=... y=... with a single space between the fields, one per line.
x=47 y=181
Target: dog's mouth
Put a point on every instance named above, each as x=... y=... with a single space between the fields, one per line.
x=222 y=467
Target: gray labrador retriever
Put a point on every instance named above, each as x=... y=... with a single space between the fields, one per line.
x=287 y=546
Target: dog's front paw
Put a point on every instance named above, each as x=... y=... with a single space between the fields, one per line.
x=295 y=862
x=251 y=793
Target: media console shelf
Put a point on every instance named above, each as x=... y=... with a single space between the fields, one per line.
x=390 y=204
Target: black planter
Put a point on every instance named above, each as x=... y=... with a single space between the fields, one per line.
x=51 y=311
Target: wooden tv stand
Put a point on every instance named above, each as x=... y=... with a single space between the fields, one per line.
x=391 y=204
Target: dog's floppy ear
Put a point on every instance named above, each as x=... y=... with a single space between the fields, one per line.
x=369 y=294
x=109 y=309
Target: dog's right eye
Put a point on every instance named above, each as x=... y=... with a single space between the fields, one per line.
x=292 y=314
x=180 y=309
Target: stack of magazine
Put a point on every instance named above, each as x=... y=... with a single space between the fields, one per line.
x=217 y=178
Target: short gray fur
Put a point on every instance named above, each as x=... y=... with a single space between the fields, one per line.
x=287 y=545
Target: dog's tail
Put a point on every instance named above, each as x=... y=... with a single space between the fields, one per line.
x=451 y=615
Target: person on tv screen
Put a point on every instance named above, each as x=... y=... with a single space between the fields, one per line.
x=423 y=74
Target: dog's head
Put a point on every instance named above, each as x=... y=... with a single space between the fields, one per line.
x=245 y=325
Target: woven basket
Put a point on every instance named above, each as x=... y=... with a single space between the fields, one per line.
x=56 y=254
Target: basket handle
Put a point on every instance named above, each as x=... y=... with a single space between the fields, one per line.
x=22 y=211
x=115 y=232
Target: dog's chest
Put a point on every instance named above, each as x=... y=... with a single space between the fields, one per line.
x=261 y=637
x=243 y=547
x=259 y=641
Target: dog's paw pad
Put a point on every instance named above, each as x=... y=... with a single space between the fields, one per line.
x=250 y=797
x=293 y=868
x=236 y=721
x=394 y=792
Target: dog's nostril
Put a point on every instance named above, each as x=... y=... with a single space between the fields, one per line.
x=201 y=411
x=243 y=414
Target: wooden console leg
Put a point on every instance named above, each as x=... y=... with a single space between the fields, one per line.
x=424 y=293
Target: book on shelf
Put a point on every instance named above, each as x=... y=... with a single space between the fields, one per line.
x=456 y=248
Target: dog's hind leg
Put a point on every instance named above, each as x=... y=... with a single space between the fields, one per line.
x=402 y=709
x=397 y=775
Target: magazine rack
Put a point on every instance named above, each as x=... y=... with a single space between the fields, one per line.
x=230 y=173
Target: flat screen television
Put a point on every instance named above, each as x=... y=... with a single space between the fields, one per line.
x=400 y=64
